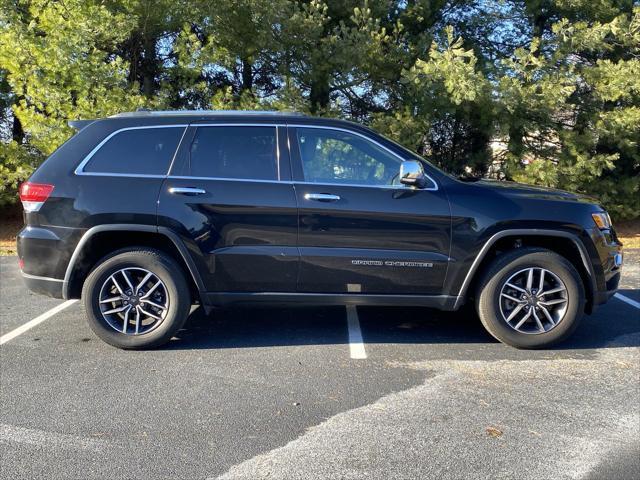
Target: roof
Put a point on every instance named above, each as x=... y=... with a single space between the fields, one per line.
x=186 y=113
x=163 y=117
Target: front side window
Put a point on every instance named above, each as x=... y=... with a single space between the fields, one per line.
x=235 y=152
x=334 y=156
x=139 y=151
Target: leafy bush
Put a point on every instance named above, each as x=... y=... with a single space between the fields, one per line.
x=16 y=164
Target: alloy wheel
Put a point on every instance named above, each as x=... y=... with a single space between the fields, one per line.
x=133 y=301
x=533 y=300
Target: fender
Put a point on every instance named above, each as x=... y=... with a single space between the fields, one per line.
x=135 y=228
x=528 y=232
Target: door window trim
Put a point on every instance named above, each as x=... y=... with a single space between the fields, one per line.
x=367 y=138
x=79 y=170
x=225 y=179
x=279 y=165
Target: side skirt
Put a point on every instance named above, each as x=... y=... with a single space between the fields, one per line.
x=441 y=302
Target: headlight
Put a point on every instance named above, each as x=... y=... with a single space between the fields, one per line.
x=602 y=220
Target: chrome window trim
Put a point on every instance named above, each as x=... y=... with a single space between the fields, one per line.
x=225 y=179
x=352 y=132
x=278 y=152
x=175 y=154
x=360 y=185
x=293 y=182
x=127 y=175
x=80 y=168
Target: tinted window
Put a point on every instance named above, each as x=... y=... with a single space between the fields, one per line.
x=234 y=152
x=144 y=151
x=333 y=156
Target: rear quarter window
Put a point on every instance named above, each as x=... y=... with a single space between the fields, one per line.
x=136 y=151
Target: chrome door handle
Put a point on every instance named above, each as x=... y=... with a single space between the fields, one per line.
x=187 y=190
x=321 y=197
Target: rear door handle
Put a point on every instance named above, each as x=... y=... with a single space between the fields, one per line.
x=187 y=191
x=321 y=197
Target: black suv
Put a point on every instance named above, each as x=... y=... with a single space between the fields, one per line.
x=144 y=214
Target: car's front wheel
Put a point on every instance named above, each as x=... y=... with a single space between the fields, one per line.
x=136 y=298
x=530 y=298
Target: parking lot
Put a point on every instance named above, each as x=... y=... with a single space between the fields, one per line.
x=317 y=393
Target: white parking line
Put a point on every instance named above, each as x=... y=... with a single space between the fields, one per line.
x=356 y=344
x=631 y=302
x=32 y=323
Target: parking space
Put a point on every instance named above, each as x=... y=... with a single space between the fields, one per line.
x=318 y=393
x=18 y=303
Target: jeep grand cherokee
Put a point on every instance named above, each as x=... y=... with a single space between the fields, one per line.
x=144 y=214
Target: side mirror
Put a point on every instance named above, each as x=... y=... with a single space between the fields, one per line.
x=412 y=174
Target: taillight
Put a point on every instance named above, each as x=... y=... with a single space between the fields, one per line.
x=33 y=195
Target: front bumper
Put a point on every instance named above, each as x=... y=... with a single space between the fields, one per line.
x=612 y=259
x=612 y=288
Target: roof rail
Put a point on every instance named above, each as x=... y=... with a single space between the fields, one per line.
x=79 y=124
x=172 y=113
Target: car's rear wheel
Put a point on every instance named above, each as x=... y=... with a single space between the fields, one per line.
x=530 y=298
x=136 y=298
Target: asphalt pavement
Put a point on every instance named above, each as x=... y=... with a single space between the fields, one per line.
x=276 y=393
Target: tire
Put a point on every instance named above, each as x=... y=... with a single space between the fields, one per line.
x=156 y=326
x=494 y=308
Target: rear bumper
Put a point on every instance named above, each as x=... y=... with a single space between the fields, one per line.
x=51 y=287
x=44 y=252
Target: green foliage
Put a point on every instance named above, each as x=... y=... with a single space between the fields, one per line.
x=59 y=68
x=16 y=166
x=450 y=72
x=450 y=114
x=539 y=91
x=574 y=111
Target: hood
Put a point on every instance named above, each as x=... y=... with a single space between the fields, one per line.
x=533 y=191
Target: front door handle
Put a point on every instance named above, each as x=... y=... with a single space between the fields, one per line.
x=321 y=197
x=187 y=190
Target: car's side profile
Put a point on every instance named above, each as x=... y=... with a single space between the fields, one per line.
x=143 y=214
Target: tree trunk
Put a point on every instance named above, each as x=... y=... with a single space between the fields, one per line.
x=516 y=145
x=17 y=132
x=247 y=76
x=132 y=53
x=541 y=17
x=149 y=67
x=319 y=94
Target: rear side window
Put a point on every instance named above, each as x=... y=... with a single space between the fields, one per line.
x=242 y=152
x=140 y=151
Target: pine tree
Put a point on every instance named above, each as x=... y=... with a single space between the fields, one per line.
x=540 y=91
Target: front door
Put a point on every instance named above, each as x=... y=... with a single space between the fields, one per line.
x=360 y=230
x=230 y=196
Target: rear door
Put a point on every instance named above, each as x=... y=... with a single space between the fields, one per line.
x=230 y=197
x=361 y=231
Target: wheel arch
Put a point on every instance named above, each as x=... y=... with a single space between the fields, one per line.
x=101 y=240
x=564 y=243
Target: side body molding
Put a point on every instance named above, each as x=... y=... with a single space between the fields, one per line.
x=524 y=232
x=135 y=228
